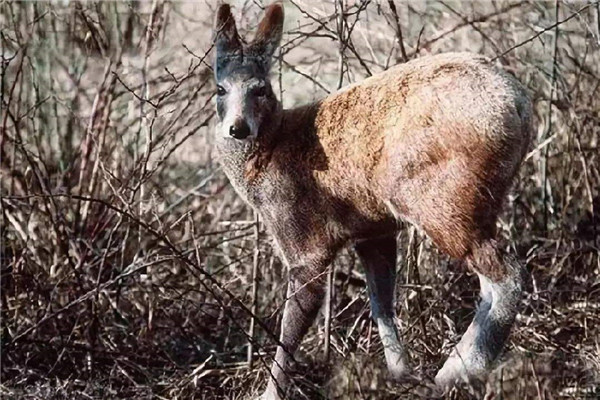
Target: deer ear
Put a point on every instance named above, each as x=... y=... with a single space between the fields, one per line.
x=269 y=31
x=225 y=33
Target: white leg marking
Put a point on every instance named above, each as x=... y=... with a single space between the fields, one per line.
x=395 y=355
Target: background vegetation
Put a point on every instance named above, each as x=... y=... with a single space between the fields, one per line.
x=127 y=259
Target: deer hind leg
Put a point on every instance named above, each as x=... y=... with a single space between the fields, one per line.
x=378 y=257
x=501 y=279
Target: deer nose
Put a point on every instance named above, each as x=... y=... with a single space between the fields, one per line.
x=239 y=130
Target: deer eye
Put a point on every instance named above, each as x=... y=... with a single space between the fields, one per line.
x=260 y=91
x=221 y=91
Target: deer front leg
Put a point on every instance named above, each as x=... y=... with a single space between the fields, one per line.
x=378 y=257
x=305 y=295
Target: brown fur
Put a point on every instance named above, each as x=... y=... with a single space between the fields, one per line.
x=439 y=138
x=273 y=19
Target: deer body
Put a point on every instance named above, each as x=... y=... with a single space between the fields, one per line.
x=435 y=142
x=390 y=148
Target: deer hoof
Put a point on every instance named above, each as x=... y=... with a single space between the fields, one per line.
x=457 y=370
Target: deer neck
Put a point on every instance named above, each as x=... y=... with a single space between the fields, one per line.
x=245 y=162
x=292 y=129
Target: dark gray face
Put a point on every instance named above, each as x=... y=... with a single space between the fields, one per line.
x=245 y=98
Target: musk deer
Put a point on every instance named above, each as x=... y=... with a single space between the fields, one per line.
x=435 y=142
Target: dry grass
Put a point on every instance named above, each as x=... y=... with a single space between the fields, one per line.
x=127 y=258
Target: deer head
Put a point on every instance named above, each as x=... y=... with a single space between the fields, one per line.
x=246 y=103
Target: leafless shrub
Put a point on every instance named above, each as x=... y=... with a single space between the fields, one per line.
x=127 y=259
